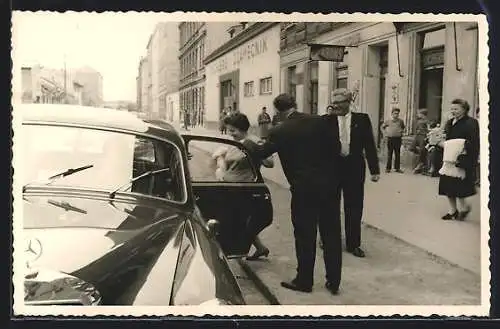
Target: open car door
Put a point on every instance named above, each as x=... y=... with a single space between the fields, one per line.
x=237 y=197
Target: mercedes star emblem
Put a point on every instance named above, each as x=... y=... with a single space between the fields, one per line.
x=33 y=250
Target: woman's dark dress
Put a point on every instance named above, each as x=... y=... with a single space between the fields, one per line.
x=468 y=129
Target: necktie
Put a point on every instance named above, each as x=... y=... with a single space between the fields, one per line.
x=343 y=136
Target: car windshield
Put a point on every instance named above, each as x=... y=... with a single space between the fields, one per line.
x=110 y=160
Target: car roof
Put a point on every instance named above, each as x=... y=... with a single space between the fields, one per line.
x=99 y=117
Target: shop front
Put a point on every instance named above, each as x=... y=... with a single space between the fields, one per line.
x=243 y=74
x=421 y=65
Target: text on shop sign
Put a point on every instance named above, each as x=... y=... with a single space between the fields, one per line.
x=246 y=52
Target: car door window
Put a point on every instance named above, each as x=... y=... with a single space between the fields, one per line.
x=219 y=162
x=150 y=155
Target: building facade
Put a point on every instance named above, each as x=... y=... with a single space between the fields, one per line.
x=197 y=40
x=407 y=65
x=173 y=107
x=91 y=79
x=56 y=86
x=159 y=70
x=168 y=66
x=244 y=73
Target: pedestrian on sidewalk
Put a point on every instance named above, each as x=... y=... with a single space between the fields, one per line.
x=393 y=130
x=276 y=120
x=264 y=121
x=457 y=189
x=236 y=169
x=222 y=126
x=186 y=119
x=357 y=146
x=421 y=130
x=308 y=150
x=434 y=151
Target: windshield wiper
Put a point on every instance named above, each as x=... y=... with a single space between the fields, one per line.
x=65 y=173
x=129 y=183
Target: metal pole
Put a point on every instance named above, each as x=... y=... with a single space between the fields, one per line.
x=65 y=94
x=457 y=67
x=397 y=50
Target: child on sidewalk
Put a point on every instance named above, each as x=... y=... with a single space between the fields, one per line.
x=393 y=130
x=434 y=137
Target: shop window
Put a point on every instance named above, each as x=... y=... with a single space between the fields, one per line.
x=248 y=89
x=292 y=80
x=313 y=87
x=266 y=86
x=431 y=72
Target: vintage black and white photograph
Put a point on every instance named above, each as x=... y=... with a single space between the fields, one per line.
x=250 y=164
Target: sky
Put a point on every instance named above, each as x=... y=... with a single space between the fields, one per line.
x=110 y=43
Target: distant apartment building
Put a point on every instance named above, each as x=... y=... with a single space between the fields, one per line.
x=197 y=40
x=159 y=70
x=92 y=82
x=46 y=85
x=145 y=78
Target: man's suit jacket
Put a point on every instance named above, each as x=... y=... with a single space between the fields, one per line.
x=362 y=145
x=308 y=149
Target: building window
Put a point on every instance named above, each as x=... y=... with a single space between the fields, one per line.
x=266 y=86
x=313 y=87
x=202 y=98
x=342 y=73
x=248 y=89
x=292 y=81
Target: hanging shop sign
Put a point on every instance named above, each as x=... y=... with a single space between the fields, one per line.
x=330 y=53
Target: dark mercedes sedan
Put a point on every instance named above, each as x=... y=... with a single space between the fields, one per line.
x=119 y=210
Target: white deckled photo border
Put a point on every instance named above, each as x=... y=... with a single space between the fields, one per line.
x=289 y=310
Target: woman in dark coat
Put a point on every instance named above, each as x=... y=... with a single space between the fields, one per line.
x=461 y=126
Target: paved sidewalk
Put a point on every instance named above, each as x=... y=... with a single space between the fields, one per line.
x=408 y=207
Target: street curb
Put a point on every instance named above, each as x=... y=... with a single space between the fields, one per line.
x=259 y=283
x=430 y=253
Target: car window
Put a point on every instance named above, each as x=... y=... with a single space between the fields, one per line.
x=219 y=162
x=116 y=158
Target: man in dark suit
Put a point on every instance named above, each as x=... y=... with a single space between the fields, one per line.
x=309 y=149
x=357 y=143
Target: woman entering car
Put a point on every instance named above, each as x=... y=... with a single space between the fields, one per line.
x=232 y=166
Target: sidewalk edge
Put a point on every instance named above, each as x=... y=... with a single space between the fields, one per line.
x=430 y=253
x=259 y=283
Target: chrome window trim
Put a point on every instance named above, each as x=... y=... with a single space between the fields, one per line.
x=128 y=132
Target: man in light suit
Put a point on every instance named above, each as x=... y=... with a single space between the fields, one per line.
x=357 y=145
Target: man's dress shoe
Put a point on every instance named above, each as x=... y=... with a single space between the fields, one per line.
x=293 y=285
x=358 y=252
x=334 y=290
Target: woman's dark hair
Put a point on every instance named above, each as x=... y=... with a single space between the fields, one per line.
x=238 y=120
x=463 y=103
x=284 y=102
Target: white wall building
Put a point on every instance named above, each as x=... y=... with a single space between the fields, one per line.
x=244 y=73
x=173 y=107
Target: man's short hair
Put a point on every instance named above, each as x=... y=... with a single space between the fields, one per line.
x=423 y=111
x=284 y=102
x=395 y=110
x=238 y=120
x=343 y=92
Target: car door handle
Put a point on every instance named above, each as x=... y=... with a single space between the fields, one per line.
x=258 y=195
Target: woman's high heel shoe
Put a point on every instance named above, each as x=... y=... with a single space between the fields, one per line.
x=449 y=216
x=462 y=215
x=259 y=253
